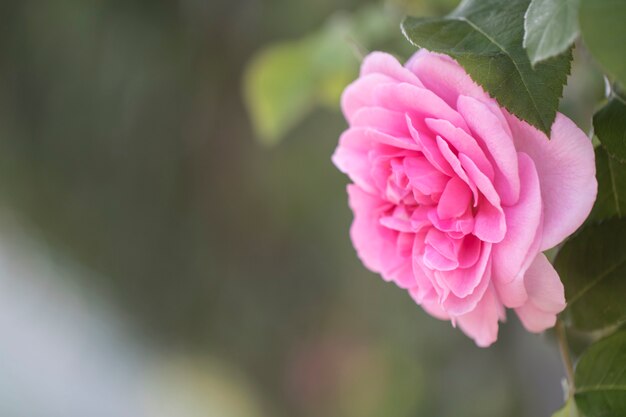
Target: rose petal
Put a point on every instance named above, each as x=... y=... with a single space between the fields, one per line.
x=361 y=93
x=545 y=296
x=498 y=144
x=445 y=77
x=462 y=142
x=489 y=222
x=383 y=63
x=373 y=242
x=463 y=281
x=566 y=168
x=522 y=223
x=424 y=176
x=456 y=305
x=481 y=324
x=434 y=260
x=386 y=121
x=454 y=162
x=429 y=148
x=455 y=199
x=417 y=102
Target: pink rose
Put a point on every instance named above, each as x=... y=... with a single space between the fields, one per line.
x=455 y=199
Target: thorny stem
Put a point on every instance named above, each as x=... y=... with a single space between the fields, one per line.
x=565 y=356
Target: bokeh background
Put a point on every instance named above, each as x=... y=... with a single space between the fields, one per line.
x=159 y=259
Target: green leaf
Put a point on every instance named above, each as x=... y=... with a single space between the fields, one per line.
x=609 y=124
x=551 y=26
x=568 y=410
x=279 y=90
x=485 y=37
x=592 y=266
x=286 y=80
x=603 y=28
x=611 y=175
x=600 y=378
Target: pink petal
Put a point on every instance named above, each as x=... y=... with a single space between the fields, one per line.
x=418 y=102
x=481 y=324
x=402 y=275
x=424 y=176
x=512 y=293
x=429 y=149
x=566 y=169
x=351 y=157
x=499 y=146
x=463 y=281
x=455 y=199
x=454 y=162
x=383 y=63
x=462 y=142
x=489 y=222
x=446 y=78
x=374 y=243
x=435 y=310
x=443 y=244
x=480 y=272
x=361 y=93
x=469 y=251
x=458 y=226
x=434 y=260
x=545 y=296
x=522 y=223
x=386 y=121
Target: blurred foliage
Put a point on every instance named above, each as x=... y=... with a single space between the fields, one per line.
x=610 y=127
x=286 y=80
x=592 y=265
x=603 y=30
x=611 y=176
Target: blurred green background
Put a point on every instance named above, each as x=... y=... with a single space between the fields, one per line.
x=158 y=259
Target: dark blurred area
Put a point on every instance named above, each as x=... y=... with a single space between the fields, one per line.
x=156 y=260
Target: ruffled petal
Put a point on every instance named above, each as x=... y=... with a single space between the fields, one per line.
x=361 y=93
x=567 y=173
x=522 y=222
x=546 y=297
x=498 y=144
x=462 y=142
x=418 y=102
x=481 y=324
x=383 y=63
x=373 y=242
x=446 y=78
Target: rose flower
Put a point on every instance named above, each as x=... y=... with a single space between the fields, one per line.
x=454 y=198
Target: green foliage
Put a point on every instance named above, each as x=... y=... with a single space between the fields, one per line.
x=568 y=410
x=611 y=175
x=284 y=81
x=485 y=37
x=609 y=124
x=592 y=266
x=600 y=378
x=550 y=28
x=603 y=28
